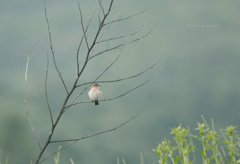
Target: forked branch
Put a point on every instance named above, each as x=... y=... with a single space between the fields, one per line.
x=90 y=135
x=90 y=44
x=121 y=79
x=46 y=92
x=119 y=45
x=99 y=76
x=51 y=47
x=126 y=18
x=100 y=132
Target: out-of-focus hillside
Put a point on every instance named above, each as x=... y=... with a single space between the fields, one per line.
x=198 y=74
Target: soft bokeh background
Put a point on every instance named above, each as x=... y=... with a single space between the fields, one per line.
x=198 y=74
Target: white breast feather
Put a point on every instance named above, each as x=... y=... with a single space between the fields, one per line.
x=94 y=94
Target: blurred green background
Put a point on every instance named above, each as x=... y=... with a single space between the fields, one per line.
x=198 y=74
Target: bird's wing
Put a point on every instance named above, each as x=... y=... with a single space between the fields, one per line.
x=90 y=93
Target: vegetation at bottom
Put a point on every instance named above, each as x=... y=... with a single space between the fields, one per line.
x=202 y=145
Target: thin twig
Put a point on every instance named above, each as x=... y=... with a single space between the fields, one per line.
x=106 y=31
x=120 y=45
x=46 y=93
x=122 y=79
x=118 y=37
x=110 y=65
x=82 y=25
x=107 y=50
x=80 y=43
x=95 y=38
x=40 y=146
x=91 y=135
x=127 y=17
x=127 y=92
x=51 y=47
x=101 y=6
x=100 y=132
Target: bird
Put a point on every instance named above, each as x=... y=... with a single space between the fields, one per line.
x=94 y=93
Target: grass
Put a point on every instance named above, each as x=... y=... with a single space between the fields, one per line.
x=212 y=147
x=203 y=145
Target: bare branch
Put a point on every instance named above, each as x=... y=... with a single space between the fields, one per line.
x=122 y=79
x=126 y=18
x=82 y=25
x=39 y=145
x=120 y=45
x=80 y=44
x=99 y=76
x=51 y=47
x=91 y=47
x=101 y=132
x=110 y=7
x=113 y=62
x=99 y=19
x=118 y=37
x=95 y=38
x=89 y=55
x=127 y=92
x=106 y=30
x=107 y=50
x=46 y=93
x=110 y=99
x=101 y=6
x=91 y=135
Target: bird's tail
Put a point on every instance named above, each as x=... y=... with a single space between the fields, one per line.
x=96 y=102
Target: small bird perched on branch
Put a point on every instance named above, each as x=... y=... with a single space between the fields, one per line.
x=95 y=93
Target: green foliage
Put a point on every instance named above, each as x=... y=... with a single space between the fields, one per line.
x=176 y=152
x=216 y=147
